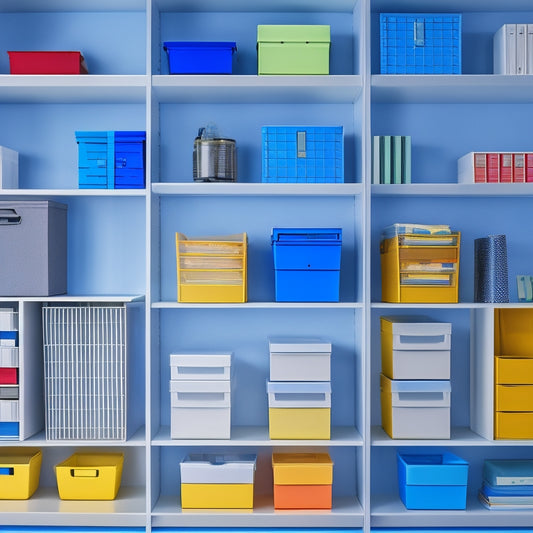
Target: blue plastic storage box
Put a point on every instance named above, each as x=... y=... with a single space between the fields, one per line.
x=302 y=154
x=307 y=264
x=9 y=430
x=197 y=57
x=111 y=159
x=432 y=481
x=420 y=43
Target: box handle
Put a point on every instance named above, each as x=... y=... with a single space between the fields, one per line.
x=121 y=162
x=300 y=143
x=419 y=32
x=421 y=396
x=85 y=472
x=101 y=163
x=9 y=217
x=8 y=471
x=422 y=339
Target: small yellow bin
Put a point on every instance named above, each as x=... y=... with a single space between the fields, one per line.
x=217 y=495
x=299 y=423
x=212 y=269
x=514 y=398
x=513 y=370
x=20 y=469
x=509 y=425
x=90 y=476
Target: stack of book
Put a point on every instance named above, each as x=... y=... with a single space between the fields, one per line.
x=391 y=159
x=513 y=49
x=507 y=484
x=495 y=167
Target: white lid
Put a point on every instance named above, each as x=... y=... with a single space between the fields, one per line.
x=218 y=468
x=297 y=345
x=201 y=359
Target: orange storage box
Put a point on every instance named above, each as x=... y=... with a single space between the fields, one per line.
x=302 y=480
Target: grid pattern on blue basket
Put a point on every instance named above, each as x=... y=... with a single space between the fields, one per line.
x=420 y=43
x=306 y=154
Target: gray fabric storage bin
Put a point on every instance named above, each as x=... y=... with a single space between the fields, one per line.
x=33 y=243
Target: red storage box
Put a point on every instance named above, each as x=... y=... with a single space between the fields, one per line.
x=47 y=63
x=8 y=376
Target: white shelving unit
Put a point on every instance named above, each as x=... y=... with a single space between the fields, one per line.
x=121 y=242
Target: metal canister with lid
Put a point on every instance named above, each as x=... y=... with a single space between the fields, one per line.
x=214 y=158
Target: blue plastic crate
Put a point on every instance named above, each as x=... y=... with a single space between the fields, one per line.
x=432 y=481
x=111 y=159
x=420 y=43
x=9 y=430
x=302 y=154
x=197 y=57
x=307 y=264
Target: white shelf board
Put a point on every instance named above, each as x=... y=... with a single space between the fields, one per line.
x=258 y=436
x=449 y=6
x=244 y=6
x=455 y=89
x=45 y=507
x=39 y=439
x=460 y=305
x=258 y=189
x=40 y=6
x=73 y=192
x=389 y=511
x=68 y=89
x=259 y=305
x=454 y=190
x=345 y=512
x=460 y=436
x=83 y=298
x=249 y=89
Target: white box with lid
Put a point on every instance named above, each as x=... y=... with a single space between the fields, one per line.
x=200 y=409
x=218 y=468
x=9 y=168
x=200 y=366
x=415 y=347
x=415 y=409
x=300 y=360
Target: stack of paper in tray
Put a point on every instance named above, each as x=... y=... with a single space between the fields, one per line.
x=507 y=484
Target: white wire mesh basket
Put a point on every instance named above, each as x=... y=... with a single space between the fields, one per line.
x=85 y=371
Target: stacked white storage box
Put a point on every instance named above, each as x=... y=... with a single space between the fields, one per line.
x=299 y=390
x=9 y=366
x=200 y=395
x=415 y=378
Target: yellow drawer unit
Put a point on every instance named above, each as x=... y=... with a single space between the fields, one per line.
x=420 y=268
x=513 y=332
x=212 y=269
x=509 y=425
x=513 y=370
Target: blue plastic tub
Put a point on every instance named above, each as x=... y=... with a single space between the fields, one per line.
x=9 y=430
x=432 y=481
x=197 y=57
x=307 y=264
x=420 y=43
x=302 y=154
x=111 y=159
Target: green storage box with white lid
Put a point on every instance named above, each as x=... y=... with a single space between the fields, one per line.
x=293 y=49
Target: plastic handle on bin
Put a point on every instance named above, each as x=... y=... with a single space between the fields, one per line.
x=300 y=143
x=84 y=472
x=9 y=471
x=9 y=217
x=101 y=163
x=121 y=162
x=419 y=32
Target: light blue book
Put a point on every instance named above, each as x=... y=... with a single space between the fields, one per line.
x=385 y=159
x=397 y=159
x=508 y=472
x=406 y=160
x=376 y=166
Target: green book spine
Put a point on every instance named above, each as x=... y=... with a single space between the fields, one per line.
x=406 y=171
x=386 y=159
x=396 y=159
x=375 y=160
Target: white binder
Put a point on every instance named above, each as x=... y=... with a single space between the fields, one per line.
x=521 y=48
x=504 y=50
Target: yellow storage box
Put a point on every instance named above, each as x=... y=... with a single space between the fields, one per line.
x=212 y=269
x=90 y=476
x=513 y=425
x=513 y=370
x=513 y=332
x=420 y=268
x=224 y=481
x=20 y=469
x=299 y=410
x=514 y=398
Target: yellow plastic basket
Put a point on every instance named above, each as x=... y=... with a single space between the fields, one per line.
x=20 y=469
x=90 y=476
x=212 y=269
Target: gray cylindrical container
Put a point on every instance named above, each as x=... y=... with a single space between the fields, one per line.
x=214 y=159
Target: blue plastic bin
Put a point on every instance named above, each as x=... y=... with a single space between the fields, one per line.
x=420 y=43
x=307 y=264
x=302 y=154
x=9 y=430
x=111 y=159
x=432 y=481
x=197 y=57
